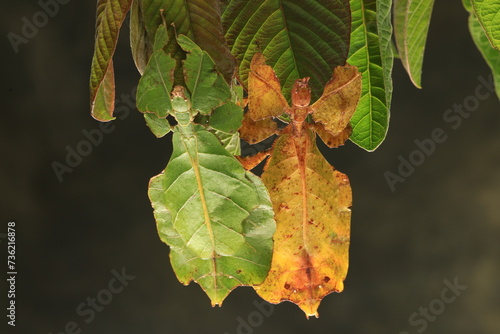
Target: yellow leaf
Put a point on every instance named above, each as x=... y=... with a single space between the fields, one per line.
x=256 y=131
x=330 y=140
x=264 y=91
x=339 y=100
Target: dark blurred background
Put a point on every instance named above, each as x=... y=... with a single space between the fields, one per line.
x=441 y=224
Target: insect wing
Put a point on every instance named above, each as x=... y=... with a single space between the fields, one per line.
x=339 y=100
x=264 y=91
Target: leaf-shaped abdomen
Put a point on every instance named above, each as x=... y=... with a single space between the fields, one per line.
x=215 y=216
x=312 y=203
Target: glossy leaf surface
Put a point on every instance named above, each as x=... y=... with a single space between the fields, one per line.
x=299 y=38
x=411 y=25
x=371 y=53
x=200 y=20
x=490 y=55
x=488 y=15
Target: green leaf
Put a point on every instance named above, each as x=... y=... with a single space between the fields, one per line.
x=153 y=91
x=109 y=19
x=215 y=216
x=225 y=122
x=206 y=85
x=411 y=25
x=227 y=118
x=141 y=50
x=488 y=14
x=230 y=141
x=371 y=53
x=200 y=20
x=468 y=6
x=299 y=38
x=237 y=92
x=207 y=88
x=490 y=55
x=159 y=126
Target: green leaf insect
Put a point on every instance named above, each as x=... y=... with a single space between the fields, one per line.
x=215 y=216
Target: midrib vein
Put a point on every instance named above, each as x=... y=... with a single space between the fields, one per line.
x=301 y=157
x=195 y=163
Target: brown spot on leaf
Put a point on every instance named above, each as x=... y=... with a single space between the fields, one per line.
x=284 y=206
